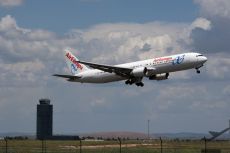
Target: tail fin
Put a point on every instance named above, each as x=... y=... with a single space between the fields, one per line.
x=73 y=64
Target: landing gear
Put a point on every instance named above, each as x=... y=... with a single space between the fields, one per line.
x=141 y=84
x=132 y=81
x=197 y=69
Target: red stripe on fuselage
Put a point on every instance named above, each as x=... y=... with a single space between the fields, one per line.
x=163 y=59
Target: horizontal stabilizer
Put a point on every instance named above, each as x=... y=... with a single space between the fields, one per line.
x=67 y=76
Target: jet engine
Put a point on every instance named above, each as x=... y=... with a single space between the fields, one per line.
x=158 y=77
x=139 y=72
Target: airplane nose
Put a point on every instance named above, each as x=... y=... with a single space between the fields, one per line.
x=204 y=59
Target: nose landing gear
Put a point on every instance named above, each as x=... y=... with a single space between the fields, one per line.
x=197 y=69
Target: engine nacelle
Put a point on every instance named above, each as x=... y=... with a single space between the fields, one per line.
x=158 y=77
x=139 y=72
x=150 y=72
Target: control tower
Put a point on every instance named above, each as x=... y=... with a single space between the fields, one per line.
x=44 y=119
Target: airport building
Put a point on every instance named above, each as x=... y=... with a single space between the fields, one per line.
x=45 y=123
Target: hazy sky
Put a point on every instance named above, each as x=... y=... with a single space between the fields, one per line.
x=32 y=37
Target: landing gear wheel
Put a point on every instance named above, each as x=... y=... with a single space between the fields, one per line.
x=140 y=84
x=128 y=82
x=197 y=70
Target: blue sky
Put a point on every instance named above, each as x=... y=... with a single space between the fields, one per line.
x=34 y=33
x=61 y=16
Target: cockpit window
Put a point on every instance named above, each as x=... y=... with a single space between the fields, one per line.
x=199 y=55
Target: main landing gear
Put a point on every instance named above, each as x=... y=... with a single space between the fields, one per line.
x=141 y=84
x=130 y=82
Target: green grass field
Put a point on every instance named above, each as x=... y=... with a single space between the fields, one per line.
x=134 y=146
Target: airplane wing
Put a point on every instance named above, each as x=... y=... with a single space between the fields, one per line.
x=121 y=71
x=67 y=76
x=214 y=133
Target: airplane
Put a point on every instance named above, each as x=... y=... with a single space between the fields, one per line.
x=154 y=69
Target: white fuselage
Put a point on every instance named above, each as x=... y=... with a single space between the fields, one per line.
x=159 y=65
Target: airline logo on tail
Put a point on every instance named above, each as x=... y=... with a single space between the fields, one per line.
x=75 y=64
x=73 y=69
